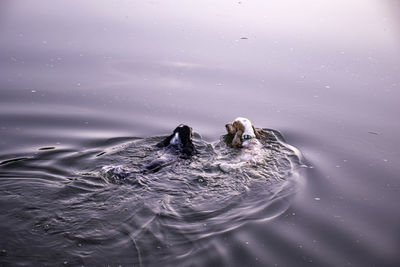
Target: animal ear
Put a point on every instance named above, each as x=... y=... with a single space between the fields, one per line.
x=229 y=128
x=260 y=134
x=238 y=126
x=236 y=142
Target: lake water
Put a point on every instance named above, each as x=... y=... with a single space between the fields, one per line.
x=90 y=86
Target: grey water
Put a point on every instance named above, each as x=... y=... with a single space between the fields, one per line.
x=89 y=87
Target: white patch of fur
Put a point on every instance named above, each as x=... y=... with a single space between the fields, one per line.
x=252 y=149
x=248 y=129
x=175 y=140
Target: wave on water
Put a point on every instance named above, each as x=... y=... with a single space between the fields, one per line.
x=102 y=202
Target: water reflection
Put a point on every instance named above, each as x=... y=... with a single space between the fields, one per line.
x=324 y=74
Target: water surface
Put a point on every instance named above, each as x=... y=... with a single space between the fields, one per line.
x=88 y=86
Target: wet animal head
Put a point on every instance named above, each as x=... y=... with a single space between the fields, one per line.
x=183 y=134
x=181 y=141
x=242 y=130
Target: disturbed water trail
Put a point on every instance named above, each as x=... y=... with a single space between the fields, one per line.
x=83 y=207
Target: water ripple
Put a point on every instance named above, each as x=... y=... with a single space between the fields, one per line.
x=81 y=206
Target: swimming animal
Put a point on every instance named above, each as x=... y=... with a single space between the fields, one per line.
x=247 y=138
x=177 y=145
